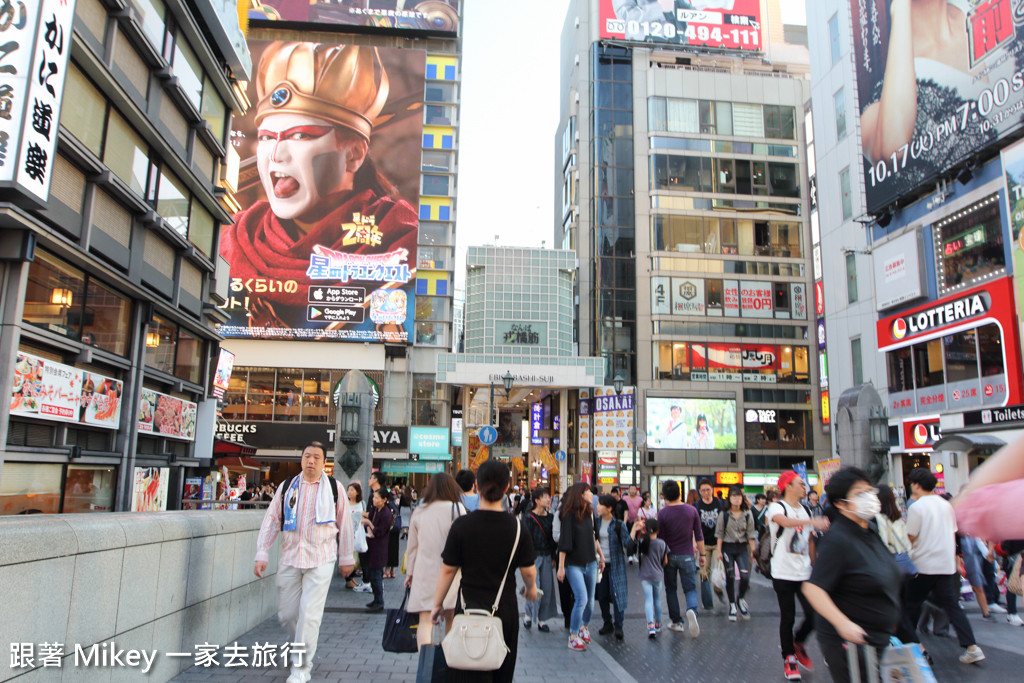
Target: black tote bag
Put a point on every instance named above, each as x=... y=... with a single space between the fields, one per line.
x=400 y=629
x=432 y=666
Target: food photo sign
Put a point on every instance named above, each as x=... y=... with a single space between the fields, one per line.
x=48 y=390
x=167 y=416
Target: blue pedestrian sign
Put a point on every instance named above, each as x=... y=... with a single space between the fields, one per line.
x=488 y=435
x=560 y=456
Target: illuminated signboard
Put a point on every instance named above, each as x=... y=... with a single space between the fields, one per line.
x=729 y=478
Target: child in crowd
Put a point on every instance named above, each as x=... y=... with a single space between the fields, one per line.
x=653 y=558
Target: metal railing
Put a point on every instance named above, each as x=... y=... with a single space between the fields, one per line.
x=212 y=504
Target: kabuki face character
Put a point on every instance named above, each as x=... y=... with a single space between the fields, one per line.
x=302 y=160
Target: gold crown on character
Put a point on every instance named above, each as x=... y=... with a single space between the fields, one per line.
x=343 y=84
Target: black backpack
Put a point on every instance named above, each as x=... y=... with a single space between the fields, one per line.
x=284 y=493
x=766 y=545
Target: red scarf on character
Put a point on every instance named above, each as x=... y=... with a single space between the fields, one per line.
x=259 y=246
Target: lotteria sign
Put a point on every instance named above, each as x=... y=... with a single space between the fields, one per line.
x=920 y=435
x=993 y=300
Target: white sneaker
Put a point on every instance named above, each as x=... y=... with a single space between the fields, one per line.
x=997 y=608
x=972 y=656
x=744 y=610
x=363 y=588
x=1014 y=620
x=691 y=618
x=299 y=676
x=676 y=626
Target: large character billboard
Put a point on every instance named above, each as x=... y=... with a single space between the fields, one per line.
x=720 y=24
x=435 y=16
x=927 y=105
x=325 y=246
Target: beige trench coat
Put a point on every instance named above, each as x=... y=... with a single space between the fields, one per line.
x=428 y=532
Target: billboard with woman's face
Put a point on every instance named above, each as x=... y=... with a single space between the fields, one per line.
x=324 y=248
x=691 y=423
x=927 y=106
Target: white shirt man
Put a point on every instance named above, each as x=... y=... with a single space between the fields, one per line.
x=931 y=527
x=312 y=543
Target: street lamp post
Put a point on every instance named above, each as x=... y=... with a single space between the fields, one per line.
x=506 y=380
x=617 y=383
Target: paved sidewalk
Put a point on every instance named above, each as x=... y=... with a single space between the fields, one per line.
x=349 y=650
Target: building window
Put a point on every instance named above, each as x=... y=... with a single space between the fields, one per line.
x=189 y=72
x=150 y=15
x=89 y=488
x=30 y=488
x=839 y=99
x=858 y=362
x=779 y=122
x=200 y=229
x=431 y=334
x=844 y=190
x=436 y=185
x=160 y=340
x=833 y=37
x=851 y=278
x=214 y=111
x=85 y=111
x=62 y=299
x=440 y=92
x=969 y=246
x=126 y=154
x=961 y=351
x=928 y=365
x=172 y=202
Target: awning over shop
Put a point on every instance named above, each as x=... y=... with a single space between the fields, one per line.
x=974 y=444
x=222 y=447
x=238 y=463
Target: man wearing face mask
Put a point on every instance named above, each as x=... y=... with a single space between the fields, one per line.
x=329 y=215
x=855 y=583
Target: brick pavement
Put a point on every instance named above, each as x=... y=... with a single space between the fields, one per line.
x=744 y=651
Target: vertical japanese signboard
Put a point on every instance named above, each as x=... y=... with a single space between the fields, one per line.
x=35 y=42
x=1013 y=171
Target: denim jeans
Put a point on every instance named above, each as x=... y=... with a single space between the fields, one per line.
x=686 y=566
x=652 y=600
x=375 y=577
x=583 y=581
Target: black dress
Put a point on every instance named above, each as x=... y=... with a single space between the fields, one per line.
x=480 y=544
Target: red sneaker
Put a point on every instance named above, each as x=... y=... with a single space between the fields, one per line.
x=789 y=669
x=576 y=644
x=585 y=634
x=802 y=658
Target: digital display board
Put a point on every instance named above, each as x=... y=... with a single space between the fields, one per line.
x=324 y=248
x=691 y=423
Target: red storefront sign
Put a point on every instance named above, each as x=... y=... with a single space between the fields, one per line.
x=918 y=436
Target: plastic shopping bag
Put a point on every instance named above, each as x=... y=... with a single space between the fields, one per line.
x=905 y=664
x=718 y=575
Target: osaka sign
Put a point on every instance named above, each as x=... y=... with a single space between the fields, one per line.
x=325 y=246
x=929 y=105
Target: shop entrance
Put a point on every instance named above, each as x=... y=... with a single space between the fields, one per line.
x=912 y=461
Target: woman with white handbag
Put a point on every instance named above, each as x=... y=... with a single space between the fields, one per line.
x=485 y=545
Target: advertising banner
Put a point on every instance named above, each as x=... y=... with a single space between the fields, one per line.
x=149 y=489
x=918 y=436
x=53 y=391
x=536 y=423
x=660 y=304
x=325 y=246
x=756 y=299
x=898 y=271
x=723 y=361
x=222 y=376
x=731 y=298
x=612 y=416
x=722 y=24
x=1013 y=170
x=510 y=435
x=957 y=105
x=704 y=423
x=434 y=16
x=798 y=299
x=167 y=416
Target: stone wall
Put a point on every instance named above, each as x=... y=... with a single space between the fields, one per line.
x=146 y=581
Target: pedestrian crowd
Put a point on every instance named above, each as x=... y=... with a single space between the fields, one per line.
x=863 y=567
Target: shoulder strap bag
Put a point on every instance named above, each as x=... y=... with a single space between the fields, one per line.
x=476 y=641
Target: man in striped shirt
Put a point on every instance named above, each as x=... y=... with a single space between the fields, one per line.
x=308 y=555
